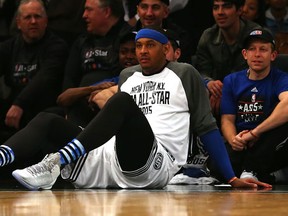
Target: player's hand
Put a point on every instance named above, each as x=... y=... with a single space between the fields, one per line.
x=13 y=116
x=248 y=183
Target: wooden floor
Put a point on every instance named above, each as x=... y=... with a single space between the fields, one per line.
x=178 y=200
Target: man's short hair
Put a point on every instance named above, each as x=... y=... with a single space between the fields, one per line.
x=116 y=6
x=237 y=3
x=22 y=2
x=164 y=1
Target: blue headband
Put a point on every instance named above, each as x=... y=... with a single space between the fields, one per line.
x=152 y=34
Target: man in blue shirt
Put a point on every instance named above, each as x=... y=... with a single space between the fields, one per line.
x=254 y=110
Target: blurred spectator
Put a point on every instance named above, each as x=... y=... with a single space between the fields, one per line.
x=94 y=56
x=179 y=13
x=156 y=12
x=219 y=48
x=130 y=7
x=32 y=63
x=254 y=10
x=64 y=18
x=277 y=22
x=277 y=16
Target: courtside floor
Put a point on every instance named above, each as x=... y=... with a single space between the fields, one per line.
x=178 y=200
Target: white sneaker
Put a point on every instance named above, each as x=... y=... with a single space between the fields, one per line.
x=42 y=175
x=246 y=174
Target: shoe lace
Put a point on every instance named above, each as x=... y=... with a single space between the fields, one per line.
x=45 y=165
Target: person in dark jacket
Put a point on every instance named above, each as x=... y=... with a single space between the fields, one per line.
x=94 y=56
x=219 y=48
x=156 y=12
x=32 y=64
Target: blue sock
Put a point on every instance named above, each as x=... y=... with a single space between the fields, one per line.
x=6 y=155
x=71 y=152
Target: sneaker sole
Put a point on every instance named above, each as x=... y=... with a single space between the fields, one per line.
x=27 y=185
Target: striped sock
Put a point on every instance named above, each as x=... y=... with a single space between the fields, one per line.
x=6 y=155
x=71 y=152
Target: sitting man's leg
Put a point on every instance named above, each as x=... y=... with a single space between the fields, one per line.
x=45 y=133
x=267 y=154
x=120 y=117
